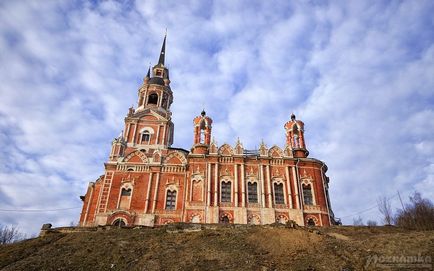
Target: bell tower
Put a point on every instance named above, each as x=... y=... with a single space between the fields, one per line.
x=202 y=133
x=295 y=137
x=149 y=127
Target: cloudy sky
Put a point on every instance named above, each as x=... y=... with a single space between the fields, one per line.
x=360 y=74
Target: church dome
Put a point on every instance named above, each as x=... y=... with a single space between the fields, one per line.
x=157 y=81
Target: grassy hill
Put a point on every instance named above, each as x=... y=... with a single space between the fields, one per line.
x=213 y=247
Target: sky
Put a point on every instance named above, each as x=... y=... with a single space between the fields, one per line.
x=360 y=74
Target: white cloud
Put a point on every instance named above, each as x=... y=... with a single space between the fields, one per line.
x=359 y=74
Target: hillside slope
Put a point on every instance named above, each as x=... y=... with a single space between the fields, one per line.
x=186 y=247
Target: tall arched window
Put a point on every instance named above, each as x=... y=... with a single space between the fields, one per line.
x=153 y=98
x=202 y=127
x=226 y=192
x=170 y=200
x=295 y=137
x=307 y=194
x=202 y=137
x=252 y=190
x=125 y=198
x=146 y=137
x=278 y=194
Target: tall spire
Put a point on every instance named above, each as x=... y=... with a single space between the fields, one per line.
x=163 y=51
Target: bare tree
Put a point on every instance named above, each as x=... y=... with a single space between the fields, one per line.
x=385 y=209
x=419 y=214
x=10 y=234
x=358 y=221
x=371 y=223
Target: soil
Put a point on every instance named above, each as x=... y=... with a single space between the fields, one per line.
x=185 y=247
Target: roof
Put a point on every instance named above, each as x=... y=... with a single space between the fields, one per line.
x=157 y=81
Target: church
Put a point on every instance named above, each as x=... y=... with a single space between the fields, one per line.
x=148 y=182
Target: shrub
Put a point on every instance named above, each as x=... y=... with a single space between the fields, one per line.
x=419 y=214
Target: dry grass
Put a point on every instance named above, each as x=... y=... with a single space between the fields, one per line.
x=223 y=248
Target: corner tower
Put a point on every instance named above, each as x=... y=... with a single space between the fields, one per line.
x=295 y=137
x=202 y=133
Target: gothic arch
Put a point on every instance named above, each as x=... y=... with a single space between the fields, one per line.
x=203 y=123
x=275 y=151
x=296 y=126
x=226 y=150
x=173 y=156
x=137 y=153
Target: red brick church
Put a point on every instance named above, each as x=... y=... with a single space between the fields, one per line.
x=148 y=182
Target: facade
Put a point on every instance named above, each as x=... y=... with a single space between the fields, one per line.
x=148 y=182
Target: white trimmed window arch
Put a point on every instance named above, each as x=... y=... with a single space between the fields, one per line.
x=171 y=197
x=279 y=191
x=308 y=191
x=146 y=135
x=125 y=195
x=226 y=190
x=252 y=191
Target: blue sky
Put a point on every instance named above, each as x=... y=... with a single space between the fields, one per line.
x=360 y=74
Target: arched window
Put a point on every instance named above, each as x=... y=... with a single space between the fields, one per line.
x=226 y=192
x=119 y=222
x=295 y=137
x=296 y=141
x=153 y=98
x=307 y=194
x=252 y=189
x=125 y=198
x=202 y=127
x=310 y=222
x=278 y=194
x=146 y=136
x=202 y=136
x=170 y=200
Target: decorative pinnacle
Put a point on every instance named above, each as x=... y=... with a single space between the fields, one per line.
x=148 y=74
